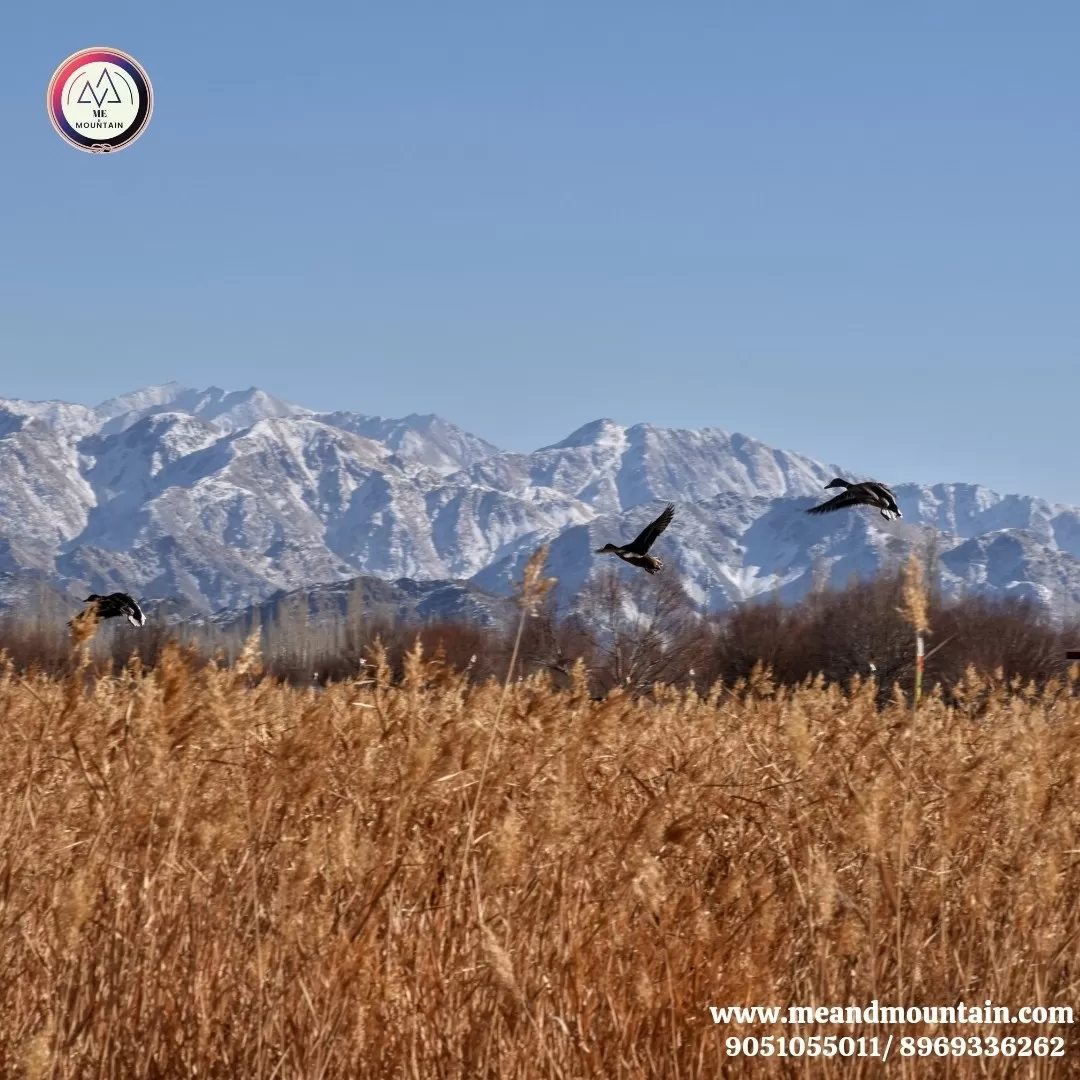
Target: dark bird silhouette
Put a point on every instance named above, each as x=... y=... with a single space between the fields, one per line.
x=637 y=551
x=868 y=493
x=114 y=605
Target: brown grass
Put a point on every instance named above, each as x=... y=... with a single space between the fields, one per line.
x=208 y=873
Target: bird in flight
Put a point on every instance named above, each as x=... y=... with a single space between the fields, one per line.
x=113 y=605
x=637 y=551
x=868 y=493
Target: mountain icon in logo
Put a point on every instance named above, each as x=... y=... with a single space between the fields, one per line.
x=100 y=100
x=109 y=94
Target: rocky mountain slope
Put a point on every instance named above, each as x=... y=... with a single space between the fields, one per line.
x=222 y=499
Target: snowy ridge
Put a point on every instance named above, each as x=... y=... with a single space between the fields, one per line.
x=222 y=499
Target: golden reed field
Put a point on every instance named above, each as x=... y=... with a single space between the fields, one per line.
x=205 y=873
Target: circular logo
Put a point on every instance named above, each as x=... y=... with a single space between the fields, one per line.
x=100 y=100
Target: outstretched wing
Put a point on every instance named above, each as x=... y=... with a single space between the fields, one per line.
x=884 y=493
x=839 y=502
x=132 y=610
x=647 y=537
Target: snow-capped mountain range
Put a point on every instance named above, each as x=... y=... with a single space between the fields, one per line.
x=225 y=498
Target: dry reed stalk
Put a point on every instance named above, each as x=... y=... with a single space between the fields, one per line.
x=915 y=613
x=206 y=875
x=82 y=627
x=534 y=587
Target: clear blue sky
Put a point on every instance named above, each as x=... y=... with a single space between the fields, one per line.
x=848 y=229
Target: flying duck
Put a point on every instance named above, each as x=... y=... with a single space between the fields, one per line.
x=117 y=603
x=637 y=551
x=868 y=493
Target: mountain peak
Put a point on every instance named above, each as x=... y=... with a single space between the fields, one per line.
x=139 y=400
x=602 y=432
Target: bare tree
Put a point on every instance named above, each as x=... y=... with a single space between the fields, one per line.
x=643 y=629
